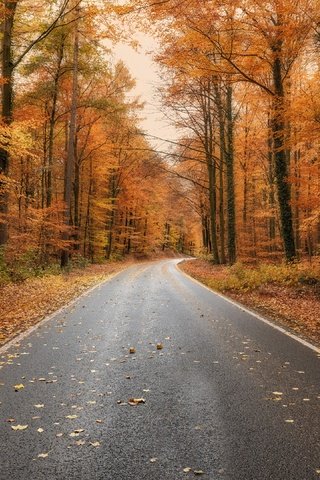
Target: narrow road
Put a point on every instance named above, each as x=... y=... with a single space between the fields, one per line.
x=227 y=395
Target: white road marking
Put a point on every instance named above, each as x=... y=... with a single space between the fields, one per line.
x=252 y=313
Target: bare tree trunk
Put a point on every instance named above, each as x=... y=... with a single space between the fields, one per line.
x=222 y=141
x=232 y=255
x=6 y=112
x=52 y=122
x=211 y=167
x=70 y=160
x=281 y=157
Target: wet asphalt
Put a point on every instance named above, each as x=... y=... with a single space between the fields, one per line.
x=228 y=397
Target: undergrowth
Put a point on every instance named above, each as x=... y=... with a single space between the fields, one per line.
x=246 y=278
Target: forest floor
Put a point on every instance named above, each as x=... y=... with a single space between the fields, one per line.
x=289 y=296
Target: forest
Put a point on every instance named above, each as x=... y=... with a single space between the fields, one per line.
x=79 y=179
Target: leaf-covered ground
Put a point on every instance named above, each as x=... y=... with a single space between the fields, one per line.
x=288 y=295
x=25 y=304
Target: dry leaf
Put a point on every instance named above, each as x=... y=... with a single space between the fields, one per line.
x=76 y=433
x=18 y=387
x=72 y=417
x=136 y=401
x=40 y=430
x=153 y=460
x=80 y=442
x=159 y=346
x=39 y=405
x=187 y=470
x=43 y=455
x=132 y=350
x=198 y=472
x=94 y=444
x=19 y=427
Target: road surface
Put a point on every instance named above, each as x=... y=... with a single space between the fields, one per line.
x=227 y=395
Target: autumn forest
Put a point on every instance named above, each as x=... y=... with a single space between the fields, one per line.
x=81 y=180
x=159 y=239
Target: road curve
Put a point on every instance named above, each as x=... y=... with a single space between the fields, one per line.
x=227 y=395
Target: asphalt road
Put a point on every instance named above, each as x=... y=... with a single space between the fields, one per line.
x=227 y=394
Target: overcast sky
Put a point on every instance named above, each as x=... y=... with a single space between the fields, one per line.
x=144 y=70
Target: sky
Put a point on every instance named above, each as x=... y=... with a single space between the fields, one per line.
x=145 y=71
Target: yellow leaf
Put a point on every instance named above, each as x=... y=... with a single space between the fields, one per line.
x=18 y=387
x=19 y=427
x=76 y=433
x=80 y=442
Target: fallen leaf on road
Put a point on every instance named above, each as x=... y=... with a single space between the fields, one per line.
x=153 y=460
x=11 y=420
x=289 y=421
x=40 y=430
x=18 y=387
x=187 y=470
x=80 y=442
x=136 y=401
x=72 y=417
x=39 y=405
x=43 y=455
x=198 y=472
x=277 y=393
x=132 y=350
x=76 y=433
x=19 y=427
x=99 y=421
x=94 y=444
x=159 y=346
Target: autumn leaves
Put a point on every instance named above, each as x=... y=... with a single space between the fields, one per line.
x=236 y=73
x=82 y=179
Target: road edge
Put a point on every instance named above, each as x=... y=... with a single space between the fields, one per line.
x=252 y=312
x=26 y=333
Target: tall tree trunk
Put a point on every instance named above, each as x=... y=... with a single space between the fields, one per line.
x=52 y=122
x=232 y=255
x=112 y=213
x=272 y=195
x=212 y=170
x=281 y=158
x=70 y=159
x=222 y=142
x=6 y=112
